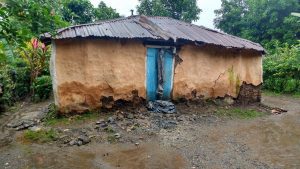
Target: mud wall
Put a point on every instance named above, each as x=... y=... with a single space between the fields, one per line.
x=85 y=70
x=210 y=71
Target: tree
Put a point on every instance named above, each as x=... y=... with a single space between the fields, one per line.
x=186 y=10
x=78 y=11
x=262 y=21
x=103 y=12
x=23 y=19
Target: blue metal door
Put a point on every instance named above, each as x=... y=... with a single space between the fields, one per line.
x=167 y=75
x=152 y=54
x=152 y=73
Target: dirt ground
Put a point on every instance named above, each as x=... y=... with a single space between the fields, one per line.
x=193 y=138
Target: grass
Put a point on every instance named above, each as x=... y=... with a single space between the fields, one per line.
x=239 y=113
x=53 y=118
x=41 y=136
x=271 y=93
x=71 y=120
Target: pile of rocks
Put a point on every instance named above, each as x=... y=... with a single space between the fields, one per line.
x=161 y=106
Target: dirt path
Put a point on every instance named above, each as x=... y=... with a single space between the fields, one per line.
x=208 y=142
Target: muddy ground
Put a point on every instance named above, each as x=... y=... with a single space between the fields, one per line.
x=196 y=137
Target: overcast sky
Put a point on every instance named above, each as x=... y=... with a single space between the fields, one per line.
x=206 y=17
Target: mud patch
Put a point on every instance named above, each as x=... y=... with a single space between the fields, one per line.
x=147 y=156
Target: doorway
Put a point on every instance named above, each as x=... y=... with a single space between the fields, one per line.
x=160 y=71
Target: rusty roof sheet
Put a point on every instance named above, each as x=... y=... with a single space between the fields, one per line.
x=158 y=28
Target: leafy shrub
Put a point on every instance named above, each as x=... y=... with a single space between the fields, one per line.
x=282 y=69
x=7 y=86
x=42 y=88
x=21 y=78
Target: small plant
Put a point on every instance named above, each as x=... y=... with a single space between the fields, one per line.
x=111 y=138
x=42 y=87
x=41 y=136
x=109 y=129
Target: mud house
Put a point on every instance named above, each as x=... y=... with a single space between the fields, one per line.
x=94 y=65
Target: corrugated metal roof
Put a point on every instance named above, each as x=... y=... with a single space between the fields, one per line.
x=159 y=28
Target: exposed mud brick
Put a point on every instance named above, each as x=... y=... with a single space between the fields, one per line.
x=107 y=102
x=249 y=94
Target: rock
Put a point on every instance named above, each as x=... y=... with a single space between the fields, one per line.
x=117 y=135
x=103 y=125
x=79 y=143
x=22 y=124
x=101 y=121
x=111 y=119
x=66 y=130
x=65 y=139
x=130 y=116
x=180 y=118
x=167 y=124
x=84 y=139
x=35 y=128
x=229 y=100
x=120 y=117
x=161 y=106
x=73 y=142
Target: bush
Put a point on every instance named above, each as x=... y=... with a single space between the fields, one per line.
x=42 y=88
x=7 y=86
x=282 y=70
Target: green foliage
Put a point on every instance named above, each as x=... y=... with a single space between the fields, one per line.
x=7 y=86
x=82 y=11
x=42 y=87
x=103 y=12
x=186 y=10
x=282 y=69
x=239 y=113
x=78 y=11
x=262 y=21
x=41 y=136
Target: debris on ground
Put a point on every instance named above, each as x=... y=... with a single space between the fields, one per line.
x=22 y=124
x=161 y=106
x=277 y=111
x=79 y=141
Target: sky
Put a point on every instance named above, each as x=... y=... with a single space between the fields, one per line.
x=206 y=16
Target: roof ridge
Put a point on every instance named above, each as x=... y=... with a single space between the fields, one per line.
x=155 y=27
x=98 y=22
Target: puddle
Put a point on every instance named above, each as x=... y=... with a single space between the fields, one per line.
x=123 y=156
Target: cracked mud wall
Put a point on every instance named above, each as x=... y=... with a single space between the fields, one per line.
x=89 y=69
x=210 y=71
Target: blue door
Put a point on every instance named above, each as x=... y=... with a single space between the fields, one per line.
x=166 y=72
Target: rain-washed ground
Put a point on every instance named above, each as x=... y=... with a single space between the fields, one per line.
x=272 y=141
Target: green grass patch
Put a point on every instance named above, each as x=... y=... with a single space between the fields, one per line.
x=271 y=93
x=60 y=120
x=239 y=113
x=41 y=136
x=53 y=118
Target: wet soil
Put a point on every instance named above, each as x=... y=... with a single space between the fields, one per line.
x=199 y=140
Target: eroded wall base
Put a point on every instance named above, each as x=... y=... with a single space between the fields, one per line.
x=211 y=72
x=249 y=94
x=90 y=74
x=89 y=70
